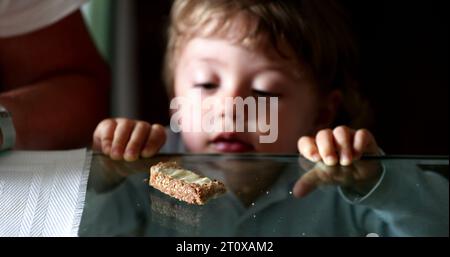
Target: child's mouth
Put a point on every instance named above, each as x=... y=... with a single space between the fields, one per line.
x=229 y=143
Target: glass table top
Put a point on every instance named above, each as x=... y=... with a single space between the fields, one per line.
x=381 y=196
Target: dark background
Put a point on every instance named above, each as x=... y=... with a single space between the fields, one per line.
x=403 y=69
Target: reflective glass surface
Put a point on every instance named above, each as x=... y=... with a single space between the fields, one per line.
x=376 y=196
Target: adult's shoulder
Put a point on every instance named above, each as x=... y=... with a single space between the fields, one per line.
x=19 y=17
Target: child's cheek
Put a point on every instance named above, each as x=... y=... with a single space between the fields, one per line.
x=192 y=117
x=189 y=119
x=290 y=128
x=195 y=142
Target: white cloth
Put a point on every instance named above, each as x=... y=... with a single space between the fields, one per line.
x=22 y=16
x=42 y=193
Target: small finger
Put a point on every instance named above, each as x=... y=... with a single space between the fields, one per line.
x=307 y=147
x=327 y=149
x=155 y=141
x=137 y=141
x=364 y=142
x=121 y=136
x=103 y=136
x=344 y=142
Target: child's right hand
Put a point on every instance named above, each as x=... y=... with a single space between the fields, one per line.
x=128 y=139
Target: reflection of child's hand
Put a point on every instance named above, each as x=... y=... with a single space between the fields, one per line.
x=343 y=145
x=360 y=177
x=128 y=139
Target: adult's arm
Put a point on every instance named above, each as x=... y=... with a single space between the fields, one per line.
x=56 y=85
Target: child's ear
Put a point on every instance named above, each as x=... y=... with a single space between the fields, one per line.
x=328 y=108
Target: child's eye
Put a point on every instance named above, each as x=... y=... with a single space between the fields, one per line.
x=260 y=93
x=207 y=86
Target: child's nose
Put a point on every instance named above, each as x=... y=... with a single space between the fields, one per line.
x=236 y=90
x=228 y=100
x=230 y=95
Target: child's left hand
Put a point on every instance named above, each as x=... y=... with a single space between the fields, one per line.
x=341 y=145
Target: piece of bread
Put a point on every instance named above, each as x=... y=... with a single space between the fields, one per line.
x=183 y=184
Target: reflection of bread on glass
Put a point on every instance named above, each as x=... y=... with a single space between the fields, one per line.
x=183 y=184
x=165 y=212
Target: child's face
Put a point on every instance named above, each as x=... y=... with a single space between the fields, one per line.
x=222 y=69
